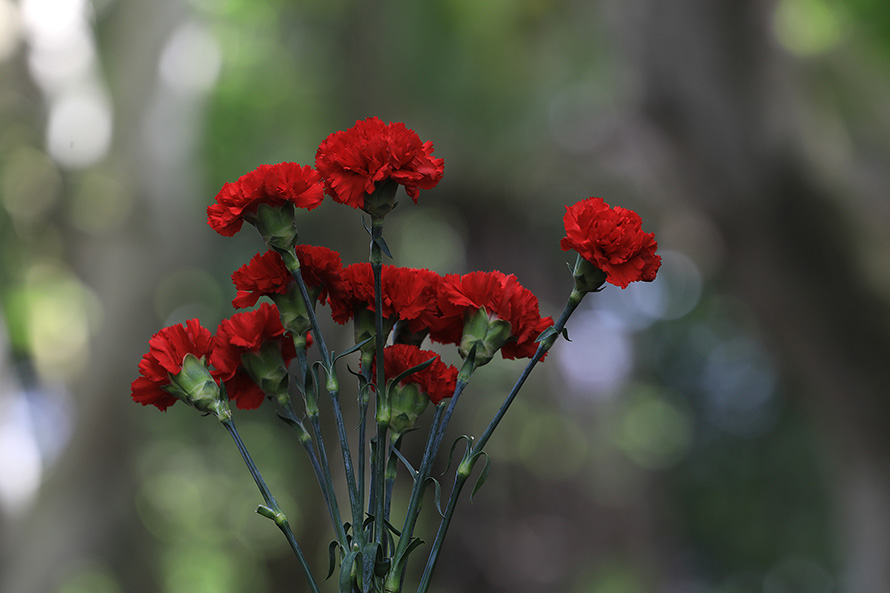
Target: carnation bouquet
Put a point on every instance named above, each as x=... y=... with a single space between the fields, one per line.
x=275 y=354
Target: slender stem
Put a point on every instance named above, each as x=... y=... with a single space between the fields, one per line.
x=323 y=476
x=463 y=378
x=477 y=445
x=394 y=578
x=364 y=400
x=293 y=265
x=571 y=305
x=357 y=512
x=391 y=473
x=382 y=419
x=273 y=511
x=459 y=481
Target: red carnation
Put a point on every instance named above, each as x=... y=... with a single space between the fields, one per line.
x=407 y=294
x=274 y=185
x=355 y=162
x=502 y=298
x=166 y=350
x=437 y=381
x=248 y=333
x=611 y=239
x=266 y=274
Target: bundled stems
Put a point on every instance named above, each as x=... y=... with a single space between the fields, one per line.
x=323 y=476
x=293 y=265
x=474 y=449
x=434 y=441
x=311 y=401
x=271 y=510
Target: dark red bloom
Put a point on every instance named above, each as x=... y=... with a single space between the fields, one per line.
x=166 y=350
x=355 y=161
x=437 y=381
x=502 y=297
x=407 y=294
x=275 y=185
x=247 y=333
x=266 y=274
x=612 y=239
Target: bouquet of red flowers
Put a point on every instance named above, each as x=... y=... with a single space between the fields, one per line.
x=393 y=311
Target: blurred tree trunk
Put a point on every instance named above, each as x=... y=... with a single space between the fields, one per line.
x=715 y=85
x=85 y=512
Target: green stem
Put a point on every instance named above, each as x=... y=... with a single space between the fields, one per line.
x=322 y=476
x=380 y=340
x=357 y=512
x=391 y=473
x=364 y=400
x=293 y=265
x=394 y=578
x=271 y=509
x=477 y=445
x=466 y=372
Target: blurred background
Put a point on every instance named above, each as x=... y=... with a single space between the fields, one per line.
x=720 y=430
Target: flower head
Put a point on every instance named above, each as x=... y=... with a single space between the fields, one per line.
x=167 y=350
x=361 y=160
x=490 y=310
x=251 y=351
x=612 y=240
x=266 y=275
x=407 y=294
x=276 y=186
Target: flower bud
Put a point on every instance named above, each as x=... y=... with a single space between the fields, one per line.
x=196 y=386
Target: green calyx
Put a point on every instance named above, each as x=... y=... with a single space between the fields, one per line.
x=277 y=225
x=363 y=325
x=267 y=369
x=587 y=277
x=196 y=386
x=379 y=203
x=486 y=333
x=406 y=404
x=292 y=310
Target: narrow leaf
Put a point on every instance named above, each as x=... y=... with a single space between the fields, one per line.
x=550 y=331
x=415 y=543
x=451 y=452
x=383 y=246
x=438 y=495
x=414 y=369
x=346 y=577
x=351 y=350
x=405 y=462
x=482 y=476
x=332 y=558
x=369 y=565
